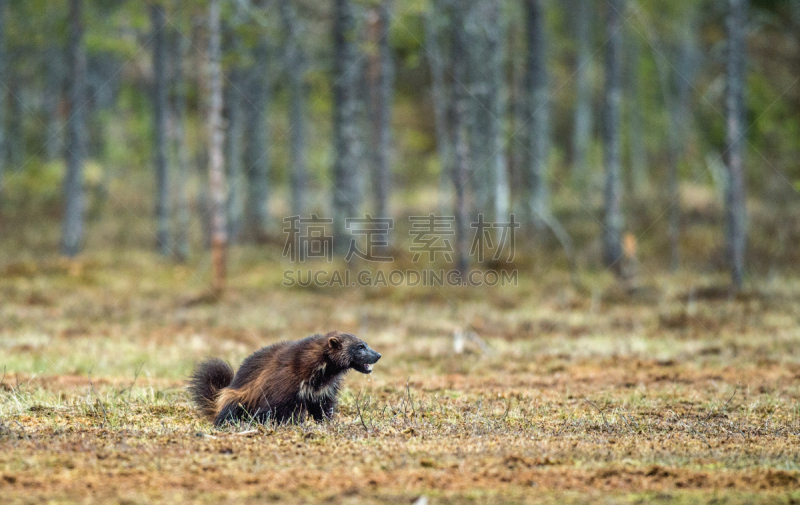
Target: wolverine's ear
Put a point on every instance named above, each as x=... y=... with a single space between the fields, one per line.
x=334 y=342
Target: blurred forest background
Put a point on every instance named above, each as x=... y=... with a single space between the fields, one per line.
x=621 y=133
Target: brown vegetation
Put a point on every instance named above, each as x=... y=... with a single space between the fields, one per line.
x=561 y=396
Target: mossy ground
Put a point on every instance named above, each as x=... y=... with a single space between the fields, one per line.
x=670 y=393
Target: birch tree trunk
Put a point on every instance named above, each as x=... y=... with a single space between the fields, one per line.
x=15 y=135
x=160 y=128
x=611 y=145
x=538 y=110
x=216 y=165
x=680 y=114
x=441 y=95
x=54 y=79
x=488 y=88
x=736 y=211
x=3 y=101
x=458 y=121
x=72 y=229
x=638 y=153
x=296 y=65
x=179 y=51
x=582 y=134
x=381 y=82
x=256 y=142
x=234 y=107
x=346 y=197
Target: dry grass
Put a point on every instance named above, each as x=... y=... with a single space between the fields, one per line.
x=674 y=393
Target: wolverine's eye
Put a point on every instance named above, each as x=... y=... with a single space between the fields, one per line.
x=361 y=347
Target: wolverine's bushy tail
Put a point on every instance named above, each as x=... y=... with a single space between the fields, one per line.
x=207 y=380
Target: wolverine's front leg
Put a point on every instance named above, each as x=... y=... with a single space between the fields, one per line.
x=328 y=407
x=321 y=410
x=315 y=410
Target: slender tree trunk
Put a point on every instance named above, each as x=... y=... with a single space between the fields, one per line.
x=638 y=153
x=459 y=124
x=234 y=107
x=518 y=147
x=160 y=128
x=498 y=53
x=256 y=153
x=54 y=79
x=441 y=95
x=179 y=51
x=346 y=197
x=296 y=65
x=681 y=123
x=381 y=82
x=673 y=154
x=613 y=95
x=487 y=63
x=736 y=210
x=15 y=135
x=582 y=135
x=216 y=166
x=538 y=110
x=3 y=97
x=72 y=230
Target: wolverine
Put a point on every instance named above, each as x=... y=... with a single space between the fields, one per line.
x=285 y=382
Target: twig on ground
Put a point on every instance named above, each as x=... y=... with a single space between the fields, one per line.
x=135 y=376
x=24 y=433
x=626 y=422
x=564 y=425
x=102 y=406
x=697 y=433
x=724 y=407
x=508 y=408
x=484 y=346
x=360 y=415
x=410 y=400
x=599 y=410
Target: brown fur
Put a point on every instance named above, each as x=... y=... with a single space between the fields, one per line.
x=284 y=382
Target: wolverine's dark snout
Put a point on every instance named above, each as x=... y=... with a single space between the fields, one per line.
x=363 y=357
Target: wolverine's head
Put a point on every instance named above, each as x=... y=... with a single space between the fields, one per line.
x=349 y=351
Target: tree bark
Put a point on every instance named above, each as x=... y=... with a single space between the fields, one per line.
x=295 y=62
x=179 y=51
x=256 y=141
x=54 y=79
x=160 y=128
x=736 y=211
x=346 y=197
x=381 y=82
x=488 y=87
x=216 y=166
x=234 y=108
x=538 y=110
x=15 y=134
x=441 y=95
x=3 y=97
x=638 y=153
x=680 y=113
x=458 y=112
x=72 y=229
x=613 y=95
x=582 y=134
